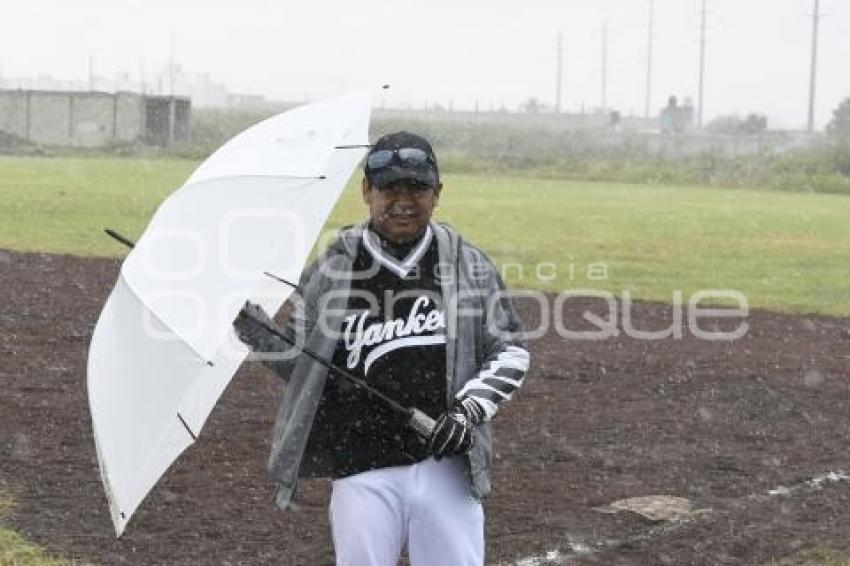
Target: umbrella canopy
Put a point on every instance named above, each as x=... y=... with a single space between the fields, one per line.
x=164 y=348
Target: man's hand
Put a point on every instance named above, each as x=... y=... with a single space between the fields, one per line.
x=452 y=435
x=249 y=330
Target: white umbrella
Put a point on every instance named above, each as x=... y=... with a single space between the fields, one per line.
x=164 y=349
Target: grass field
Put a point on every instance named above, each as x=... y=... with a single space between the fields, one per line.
x=784 y=251
x=14 y=550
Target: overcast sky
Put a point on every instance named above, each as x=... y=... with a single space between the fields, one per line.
x=460 y=51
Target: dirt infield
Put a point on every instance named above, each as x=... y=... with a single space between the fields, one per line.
x=736 y=427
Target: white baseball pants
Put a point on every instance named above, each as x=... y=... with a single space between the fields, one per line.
x=426 y=506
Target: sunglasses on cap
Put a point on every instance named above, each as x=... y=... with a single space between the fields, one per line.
x=409 y=156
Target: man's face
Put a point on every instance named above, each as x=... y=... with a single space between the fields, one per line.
x=400 y=211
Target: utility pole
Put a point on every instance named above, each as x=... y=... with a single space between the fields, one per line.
x=559 y=73
x=701 y=99
x=812 y=77
x=171 y=62
x=649 y=59
x=604 y=66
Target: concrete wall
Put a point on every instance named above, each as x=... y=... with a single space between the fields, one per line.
x=82 y=119
x=13 y=113
x=49 y=118
x=91 y=121
x=130 y=121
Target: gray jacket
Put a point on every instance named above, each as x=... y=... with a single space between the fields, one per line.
x=481 y=325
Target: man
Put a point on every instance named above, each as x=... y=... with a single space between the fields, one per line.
x=407 y=305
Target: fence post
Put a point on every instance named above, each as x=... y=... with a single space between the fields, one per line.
x=27 y=116
x=71 y=119
x=115 y=117
x=172 y=116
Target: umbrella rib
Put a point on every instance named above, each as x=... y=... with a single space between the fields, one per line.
x=131 y=244
x=164 y=323
x=186 y=426
x=282 y=280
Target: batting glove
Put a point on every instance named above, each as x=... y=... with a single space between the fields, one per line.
x=249 y=330
x=452 y=435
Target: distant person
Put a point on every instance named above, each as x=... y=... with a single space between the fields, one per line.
x=667 y=118
x=615 y=120
x=426 y=322
x=675 y=119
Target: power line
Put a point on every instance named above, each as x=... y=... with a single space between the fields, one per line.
x=171 y=63
x=813 y=73
x=559 y=72
x=604 y=65
x=649 y=57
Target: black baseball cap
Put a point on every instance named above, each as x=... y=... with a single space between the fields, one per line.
x=401 y=156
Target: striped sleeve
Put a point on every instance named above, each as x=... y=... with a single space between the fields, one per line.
x=495 y=382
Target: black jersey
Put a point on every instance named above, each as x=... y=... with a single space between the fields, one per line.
x=394 y=338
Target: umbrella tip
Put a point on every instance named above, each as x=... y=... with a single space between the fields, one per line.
x=385 y=87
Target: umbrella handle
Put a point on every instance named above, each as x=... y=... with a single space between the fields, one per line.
x=421 y=423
